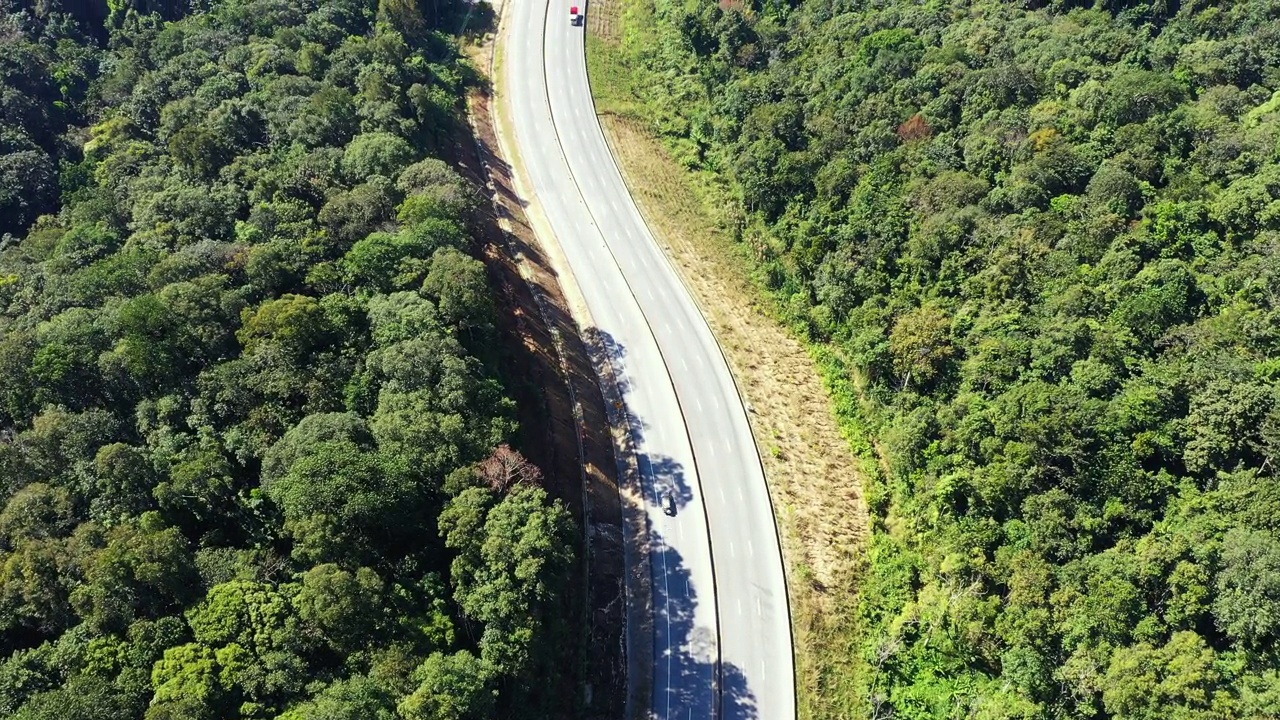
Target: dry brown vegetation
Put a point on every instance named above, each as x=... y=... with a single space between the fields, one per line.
x=814 y=475
x=604 y=19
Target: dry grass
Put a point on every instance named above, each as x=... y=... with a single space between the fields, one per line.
x=814 y=476
x=604 y=19
x=812 y=471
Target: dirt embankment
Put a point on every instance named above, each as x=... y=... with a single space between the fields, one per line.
x=564 y=429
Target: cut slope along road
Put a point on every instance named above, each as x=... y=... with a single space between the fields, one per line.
x=721 y=631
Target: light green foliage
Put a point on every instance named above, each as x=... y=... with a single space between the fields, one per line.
x=253 y=615
x=451 y=687
x=187 y=674
x=250 y=640
x=1144 y=683
x=375 y=154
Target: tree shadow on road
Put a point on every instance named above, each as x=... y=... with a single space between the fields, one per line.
x=661 y=472
x=693 y=660
x=689 y=653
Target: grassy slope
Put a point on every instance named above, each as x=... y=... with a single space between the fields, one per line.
x=806 y=413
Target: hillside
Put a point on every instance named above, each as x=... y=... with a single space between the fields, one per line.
x=1045 y=238
x=251 y=418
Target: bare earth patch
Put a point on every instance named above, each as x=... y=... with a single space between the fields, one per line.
x=564 y=425
x=602 y=19
x=814 y=476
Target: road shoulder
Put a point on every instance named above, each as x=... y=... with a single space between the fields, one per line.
x=796 y=401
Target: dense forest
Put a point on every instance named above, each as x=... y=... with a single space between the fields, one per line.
x=251 y=426
x=1046 y=235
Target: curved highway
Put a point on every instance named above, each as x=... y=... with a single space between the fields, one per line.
x=722 y=636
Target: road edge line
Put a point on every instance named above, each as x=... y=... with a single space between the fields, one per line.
x=717 y=675
x=733 y=376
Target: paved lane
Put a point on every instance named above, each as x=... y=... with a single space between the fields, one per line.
x=692 y=429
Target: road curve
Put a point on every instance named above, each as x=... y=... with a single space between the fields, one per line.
x=722 y=634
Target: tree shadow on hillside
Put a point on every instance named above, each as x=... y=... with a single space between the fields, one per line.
x=477 y=20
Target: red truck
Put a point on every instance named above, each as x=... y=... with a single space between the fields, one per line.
x=575 y=16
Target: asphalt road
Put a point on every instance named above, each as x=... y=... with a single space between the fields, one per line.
x=722 y=635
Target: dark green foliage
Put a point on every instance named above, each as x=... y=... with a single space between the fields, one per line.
x=337 y=500
x=377 y=153
x=512 y=554
x=47 y=62
x=458 y=285
x=346 y=607
x=237 y=368
x=1044 y=234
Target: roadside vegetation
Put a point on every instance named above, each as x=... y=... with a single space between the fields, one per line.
x=1040 y=239
x=815 y=477
x=252 y=459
